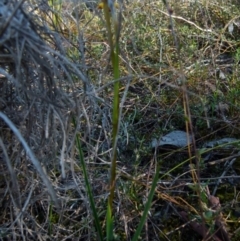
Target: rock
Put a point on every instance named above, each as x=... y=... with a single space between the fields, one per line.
x=176 y=139
x=222 y=141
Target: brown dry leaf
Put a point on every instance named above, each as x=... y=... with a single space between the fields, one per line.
x=219 y=222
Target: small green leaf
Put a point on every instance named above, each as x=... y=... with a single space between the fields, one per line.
x=208 y=215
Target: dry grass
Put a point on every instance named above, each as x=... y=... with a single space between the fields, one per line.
x=54 y=68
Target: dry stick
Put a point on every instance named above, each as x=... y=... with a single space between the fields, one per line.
x=34 y=160
x=189 y=22
x=47 y=122
x=154 y=160
x=62 y=161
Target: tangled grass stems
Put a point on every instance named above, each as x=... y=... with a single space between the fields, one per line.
x=48 y=80
x=34 y=160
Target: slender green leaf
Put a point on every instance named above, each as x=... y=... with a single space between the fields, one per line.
x=109 y=223
x=89 y=190
x=147 y=206
x=114 y=48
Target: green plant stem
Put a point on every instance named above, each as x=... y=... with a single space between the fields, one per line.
x=89 y=190
x=114 y=52
x=147 y=206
